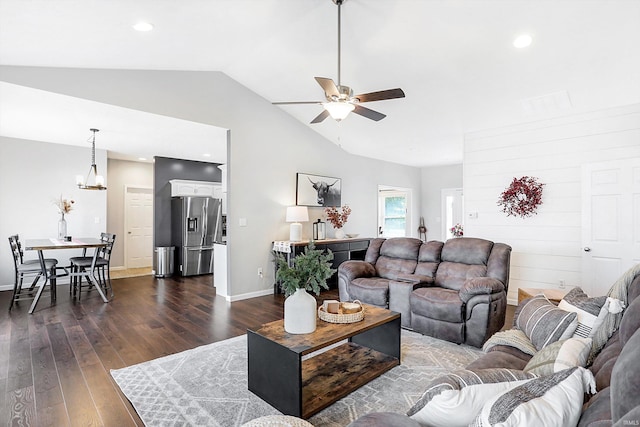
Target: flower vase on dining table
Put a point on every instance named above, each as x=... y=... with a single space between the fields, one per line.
x=62 y=227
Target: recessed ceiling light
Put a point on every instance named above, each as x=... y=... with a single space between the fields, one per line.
x=522 y=41
x=142 y=158
x=207 y=155
x=143 y=26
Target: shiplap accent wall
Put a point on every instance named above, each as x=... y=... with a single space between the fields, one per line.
x=546 y=247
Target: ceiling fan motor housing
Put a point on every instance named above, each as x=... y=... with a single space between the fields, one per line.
x=345 y=93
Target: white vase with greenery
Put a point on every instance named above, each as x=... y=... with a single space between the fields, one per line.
x=308 y=271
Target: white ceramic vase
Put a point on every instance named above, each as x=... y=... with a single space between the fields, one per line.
x=300 y=313
x=339 y=233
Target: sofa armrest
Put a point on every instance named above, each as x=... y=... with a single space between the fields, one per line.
x=400 y=298
x=416 y=279
x=480 y=286
x=350 y=270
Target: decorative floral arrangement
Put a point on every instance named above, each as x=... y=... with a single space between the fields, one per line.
x=522 y=197
x=64 y=205
x=338 y=217
x=457 y=230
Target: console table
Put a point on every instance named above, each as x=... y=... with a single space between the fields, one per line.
x=343 y=250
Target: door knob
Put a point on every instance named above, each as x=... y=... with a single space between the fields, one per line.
x=587 y=249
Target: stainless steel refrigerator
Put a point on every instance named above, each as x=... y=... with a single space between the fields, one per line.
x=196 y=226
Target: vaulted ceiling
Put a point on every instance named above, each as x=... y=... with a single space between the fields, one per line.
x=454 y=59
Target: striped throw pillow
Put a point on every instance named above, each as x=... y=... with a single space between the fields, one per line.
x=590 y=311
x=559 y=356
x=456 y=399
x=543 y=322
x=551 y=400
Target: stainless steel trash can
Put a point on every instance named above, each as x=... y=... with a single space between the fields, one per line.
x=164 y=261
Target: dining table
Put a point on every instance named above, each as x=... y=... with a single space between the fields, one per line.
x=49 y=244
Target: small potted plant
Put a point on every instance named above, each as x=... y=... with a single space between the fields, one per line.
x=457 y=230
x=309 y=272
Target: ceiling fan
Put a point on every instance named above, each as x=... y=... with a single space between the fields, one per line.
x=340 y=100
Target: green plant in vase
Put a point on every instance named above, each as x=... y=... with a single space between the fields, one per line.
x=309 y=271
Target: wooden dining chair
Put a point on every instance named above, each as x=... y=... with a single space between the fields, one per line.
x=103 y=262
x=26 y=268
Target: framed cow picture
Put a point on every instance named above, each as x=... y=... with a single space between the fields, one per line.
x=317 y=190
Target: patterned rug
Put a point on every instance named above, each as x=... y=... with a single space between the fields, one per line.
x=207 y=386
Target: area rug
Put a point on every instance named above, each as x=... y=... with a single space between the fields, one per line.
x=207 y=385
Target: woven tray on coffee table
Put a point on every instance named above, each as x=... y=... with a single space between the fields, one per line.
x=342 y=317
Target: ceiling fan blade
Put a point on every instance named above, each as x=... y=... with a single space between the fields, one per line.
x=320 y=117
x=368 y=113
x=296 y=102
x=328 y=85
x=381 y=95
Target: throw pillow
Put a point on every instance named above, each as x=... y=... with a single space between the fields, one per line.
x=559 y=356
x=552 y=400
x=543 y=322
x=457 y=398
x=590 y=311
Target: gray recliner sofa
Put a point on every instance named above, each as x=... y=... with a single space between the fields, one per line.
x=456 y=291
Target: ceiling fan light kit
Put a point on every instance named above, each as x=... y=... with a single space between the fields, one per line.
x=93 y=170
x=340 y=100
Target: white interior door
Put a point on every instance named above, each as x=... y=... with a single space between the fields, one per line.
x=610 y=222
x=139 y=227
x=452 y=203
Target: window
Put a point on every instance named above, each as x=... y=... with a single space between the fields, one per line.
x=393 y=208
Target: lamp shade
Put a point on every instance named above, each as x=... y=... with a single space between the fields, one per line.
x=297 y=214
x=339 y=110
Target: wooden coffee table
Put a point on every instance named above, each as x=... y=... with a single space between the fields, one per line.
x=284 y=372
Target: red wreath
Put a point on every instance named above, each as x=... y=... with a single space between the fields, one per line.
x=522 y=197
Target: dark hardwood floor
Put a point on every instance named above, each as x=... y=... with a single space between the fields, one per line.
x=54 y=364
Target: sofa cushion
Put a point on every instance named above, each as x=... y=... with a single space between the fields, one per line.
x=457 y=398
x=625 y=381
x=501 y=356
x=373 y=290
x=398 y=255
x=429 y=258
x=559 y=356
x=453 y=275
x=551 y=400
x=467 y=250
x=438 y=303
x=543 y=322
x=603 y=364
x=630 y=322
x=590 y=311
x=597 y=412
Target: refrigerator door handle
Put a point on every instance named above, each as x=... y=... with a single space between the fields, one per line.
x=199 y=248
x=218 y=220
x=205 y=222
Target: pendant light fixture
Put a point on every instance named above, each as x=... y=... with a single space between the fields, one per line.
x=93 y=170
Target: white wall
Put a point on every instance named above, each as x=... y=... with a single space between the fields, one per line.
x=547 y=247
x=32 y=174
x=267 y=148
x=433 y=180
x=121 y=173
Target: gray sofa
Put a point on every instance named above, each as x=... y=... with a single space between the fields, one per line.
x=616 y=370
x=456 y=291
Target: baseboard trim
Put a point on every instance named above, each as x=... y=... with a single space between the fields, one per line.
x=249 y=295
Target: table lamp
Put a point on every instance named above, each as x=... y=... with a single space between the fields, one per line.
x=296 y=215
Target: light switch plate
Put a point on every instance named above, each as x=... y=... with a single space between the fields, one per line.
x=242 y=222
